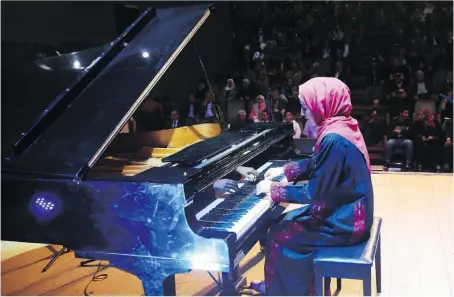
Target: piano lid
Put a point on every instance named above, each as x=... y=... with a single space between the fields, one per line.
x=78 y=137
x=30 y=88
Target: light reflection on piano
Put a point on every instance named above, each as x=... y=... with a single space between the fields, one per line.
x=151 y=220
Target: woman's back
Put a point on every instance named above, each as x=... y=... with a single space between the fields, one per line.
x=354 y=185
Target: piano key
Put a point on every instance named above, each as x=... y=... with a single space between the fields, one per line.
x=238 y=211
x=208 y=208
x=211 y=218
x=218 y=211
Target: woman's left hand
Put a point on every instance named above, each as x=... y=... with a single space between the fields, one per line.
x=263 y=187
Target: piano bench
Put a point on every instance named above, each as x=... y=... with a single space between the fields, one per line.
x=352 y=262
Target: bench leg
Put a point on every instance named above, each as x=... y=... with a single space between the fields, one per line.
x=378 y=266
x=367 y=284
x=318 y=285
x=327 y=285
x=339 y=284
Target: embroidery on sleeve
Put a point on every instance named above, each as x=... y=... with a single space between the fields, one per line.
x=292 y=171
x=278 y=192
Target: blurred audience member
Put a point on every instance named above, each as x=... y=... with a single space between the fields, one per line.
x=293 y=104
x=421 y=88
x=240 y=122
x=246 y=93
x=375 y=124
x=375 y=80
x=296 y=126
x=257 y=108
x=397 y=94
x=429 y=137
x=228 y=93
x=175 y=121
x=263 y=118
x=192 y=110
x=201 y=90
x=399 y=139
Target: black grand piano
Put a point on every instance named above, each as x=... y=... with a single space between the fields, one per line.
x=159 y=222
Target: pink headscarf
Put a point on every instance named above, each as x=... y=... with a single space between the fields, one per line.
x=328 y=99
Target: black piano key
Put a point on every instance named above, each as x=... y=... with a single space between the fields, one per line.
x=218 y=211
x=227 y=204
x=211 y=217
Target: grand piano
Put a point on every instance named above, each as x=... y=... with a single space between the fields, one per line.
x=155 y=222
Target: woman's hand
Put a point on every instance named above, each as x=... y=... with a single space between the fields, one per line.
x=248 y=172
x=263 y=187
x=272 y=173
x=225 y=185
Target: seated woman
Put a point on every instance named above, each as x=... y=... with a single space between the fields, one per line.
x=338 y=194
x=257 y=109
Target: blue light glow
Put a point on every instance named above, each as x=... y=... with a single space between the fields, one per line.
x=45 y=206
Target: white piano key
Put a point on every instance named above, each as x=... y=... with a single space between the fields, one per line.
x=247 y=220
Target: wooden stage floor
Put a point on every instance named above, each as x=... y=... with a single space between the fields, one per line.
x=417 y=251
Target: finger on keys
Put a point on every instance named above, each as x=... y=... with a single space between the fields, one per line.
x=232 y=186
x=252 y=177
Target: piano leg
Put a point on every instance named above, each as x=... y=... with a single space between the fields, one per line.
x=157 y=280
x=169 y=286
x=232 y=283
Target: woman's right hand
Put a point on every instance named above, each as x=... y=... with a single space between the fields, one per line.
x=272 y=173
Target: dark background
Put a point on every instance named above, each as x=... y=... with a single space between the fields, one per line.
x=32 y=30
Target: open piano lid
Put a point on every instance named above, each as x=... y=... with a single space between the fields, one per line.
x=75 y=140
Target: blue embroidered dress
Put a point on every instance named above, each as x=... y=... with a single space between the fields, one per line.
x=339 y=212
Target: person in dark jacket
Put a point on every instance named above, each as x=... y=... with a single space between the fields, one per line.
x=429 y=139
x=240 y=122
x=192 y=111
x=175 y=121
x=399 y=137
x=421 y=88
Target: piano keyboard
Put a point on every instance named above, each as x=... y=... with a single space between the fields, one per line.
x=238 y=212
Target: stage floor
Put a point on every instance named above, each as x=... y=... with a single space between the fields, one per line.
x=417 y=251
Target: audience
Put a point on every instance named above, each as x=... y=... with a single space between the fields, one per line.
x=296 y=126
x=429 y=139
x=175 y=121
x=279 y=102
x=375 y=80
x=240 y=122
x=257 y=108
x=293 y=102
x=397 y=93
x=263 y=117
x=228 y=93
x=192 y=111
x=246 y=93
x=399 y=138
x=421 y=88
x=401 y=54
x=374 y=124
x=201 y=90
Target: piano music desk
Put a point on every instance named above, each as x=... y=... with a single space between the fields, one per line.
x=132 y=153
